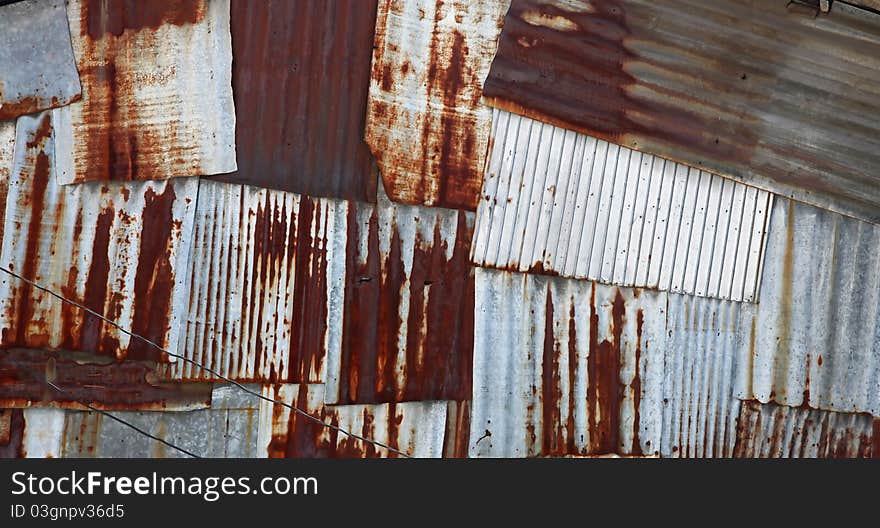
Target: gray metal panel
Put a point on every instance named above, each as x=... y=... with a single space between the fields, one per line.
x=563 y=203
x=816 y=337
x=37 y=66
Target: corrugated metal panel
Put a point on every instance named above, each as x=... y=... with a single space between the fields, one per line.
x=774 y=431
x=119 y=249
x=42 y=433
x=229 y=429
x=7 y=156
x=37 y=67
x=425 y=123
x=562 y=203
x=376 y=300
x=301 y=74
x=416 y=428
x=816 y=339
x=717 y=85
x=157 y=94
x=566 y=367
x=125 y=385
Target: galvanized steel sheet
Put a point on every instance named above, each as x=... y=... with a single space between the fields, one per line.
x=156 y=91
x=782 y=98
x=37 y=66
x=563 y=203
x=425 y=123
x=120 y=249
x=301 y=74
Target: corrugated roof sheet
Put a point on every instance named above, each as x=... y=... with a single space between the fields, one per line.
x=120 y=249
x=776 y=97
x=567 y=367
x=37 y=67
x=563 y=203
x=774 y=431
x=301 y=74
x=816 y=338
x=425 y=123
x=156 y=91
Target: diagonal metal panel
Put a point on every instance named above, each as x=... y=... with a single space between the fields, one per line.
x=816 y=338
x=759 y=91
x=156 y=92
x=120 y=249
x=301 y=74
x=37 y=66
x=778 y=431
x=562 y=203
x=425 y=123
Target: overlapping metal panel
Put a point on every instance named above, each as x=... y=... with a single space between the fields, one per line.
x=563 y=203
x=425 y=123
x=816 y=339
x=37 y=66
x=120 y=249
x=376 y=300
x=156 y=91
x=301 y=75
x=567 y=367
x=778 y=431
x=776 y=96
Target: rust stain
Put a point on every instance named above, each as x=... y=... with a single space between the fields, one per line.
x=636 y=385
x=116 y=16
x=605 y=391
x=12 y=433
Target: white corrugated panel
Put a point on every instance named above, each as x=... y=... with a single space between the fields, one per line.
x=559 y=202
x=43 y=433
x=156 y=96
x=816 y=339
x=563 y=366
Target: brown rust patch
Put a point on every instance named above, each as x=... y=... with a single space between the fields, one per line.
x=101 y=17
x=604 y=389
x=12 y=433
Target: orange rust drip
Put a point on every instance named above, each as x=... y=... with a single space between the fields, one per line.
x=12 y=441
x=116 y=16
x=636 y=386
x=605 y=391
x=551 y=392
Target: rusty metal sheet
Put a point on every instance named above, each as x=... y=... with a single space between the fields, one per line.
x=156 y=91
x=779 y=98
x=376 y=300
x=425 y=124
x=118 y=248
x=416 y=428
x=562 y=203
x=815 y=341
x=301 y=74
x=568 y=367
x=122 y=385
x=11 y=433
x=37 y=66
x=778 y=431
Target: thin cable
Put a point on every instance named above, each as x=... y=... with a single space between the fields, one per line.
x=123 y=422
x=203 y=367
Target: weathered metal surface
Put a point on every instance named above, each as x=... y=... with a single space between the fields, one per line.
x=119 y=248
x=774 y=431
x=567 y=367
x=415 y=428
x=7 y=155
x=156 y=91
x=123 y=385
x=425 y=124
x=301 y=74
x=816 y=338
x=37 y=67
x=229 y=429
x=782 y=99
x=11 y=433
x=376 y=300
x=562 y=203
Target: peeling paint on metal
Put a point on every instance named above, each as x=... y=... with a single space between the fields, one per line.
x=117 y=248
x=301 y=74
x=567 y=367
x=425 y=123
x=37 y=66
x=157 y=93
x=774 y=431
x=415 y=428
x=563 y=203
x=816 y=337
x=108 y=385
x=752 y=90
